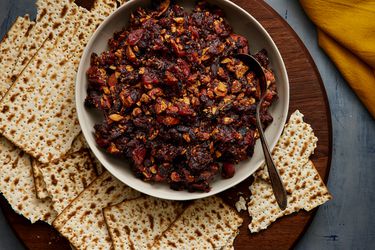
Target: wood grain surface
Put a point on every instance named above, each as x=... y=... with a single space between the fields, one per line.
x=307 y=95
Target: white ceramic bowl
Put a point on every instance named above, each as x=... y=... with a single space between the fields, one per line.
x=243 y=23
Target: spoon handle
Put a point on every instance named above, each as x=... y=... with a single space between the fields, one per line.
x=277 y=184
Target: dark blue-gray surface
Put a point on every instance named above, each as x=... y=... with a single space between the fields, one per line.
x=346 y=222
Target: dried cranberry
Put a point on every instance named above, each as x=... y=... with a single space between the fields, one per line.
x=135 y=36
x=228 y=170
x=138 y=155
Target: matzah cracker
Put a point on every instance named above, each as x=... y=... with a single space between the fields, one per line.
x=50 y=17
x=10 y=49
x=82 y=222
x=292 y=151
x=44 y=92
x=17 y=184
x=311 y=188
x=135 y=224
x=103 y=8
x=78 y=144
x=310 y=192
x=206 y=224
x=67 y=178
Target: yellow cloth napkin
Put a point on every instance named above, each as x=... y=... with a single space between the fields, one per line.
x=346 y=32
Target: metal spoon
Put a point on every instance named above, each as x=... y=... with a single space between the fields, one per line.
x=277 y=185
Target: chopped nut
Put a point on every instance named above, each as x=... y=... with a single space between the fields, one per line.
x=252 y=100
x=160 y=106
x=130 y=54
x=154 y=93
x=205 y=57
x=186 y=137
x=240 y=96
x=217 y=26
x=106 y=90
x=116 y=117
x=228 y=99
x=118 y=53
x=141 y=70
x=236 y=86
x=181 y=30
x=153 y=135
x=250 y=78
x=145 y=98
x=256 y=134
x=129 y=68
x=112 y=67
x=173 y=28
x=153 y=169
x=166 y=37
x=206 y=79
x=221 y=89
x=226 y=60
x=112 y=80
x=221 y=73
x=195 y=101
x=112 y=149
x=179 y=20
x=227 y=120
x=136 y=112
x=147 y=175
x=241 y=69
x=186 y=100
x=210 y=94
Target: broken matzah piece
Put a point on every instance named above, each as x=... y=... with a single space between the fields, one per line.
x=68 y=177
x=292 y=151
x=309 y=193
x=48 y=101
x=78 y=144
x=135 y=224
x=241 y=204
x=40 y=185
x=10 y=49
x=17 y=184
x=82 y=222
x=206 y=224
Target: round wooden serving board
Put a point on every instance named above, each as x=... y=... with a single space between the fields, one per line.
x=307 y=94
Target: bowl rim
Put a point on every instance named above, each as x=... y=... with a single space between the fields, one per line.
x=196 y=195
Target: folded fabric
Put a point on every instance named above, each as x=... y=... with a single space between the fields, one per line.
x=346 y=32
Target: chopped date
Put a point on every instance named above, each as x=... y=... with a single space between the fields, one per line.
x=175 y=101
